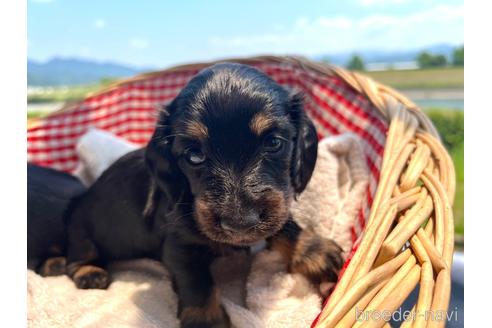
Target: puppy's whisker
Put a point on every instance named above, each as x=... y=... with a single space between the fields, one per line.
x=183 y=203
x=176 y=135
x=175 y=220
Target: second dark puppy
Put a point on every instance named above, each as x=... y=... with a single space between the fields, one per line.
x=226 y=159
x=48 y=195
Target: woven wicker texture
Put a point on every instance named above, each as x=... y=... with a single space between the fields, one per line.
x=404 y=235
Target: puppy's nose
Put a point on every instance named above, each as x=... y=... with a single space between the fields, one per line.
x=240 y=224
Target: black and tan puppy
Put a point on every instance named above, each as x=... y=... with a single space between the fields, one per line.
x=226 y=159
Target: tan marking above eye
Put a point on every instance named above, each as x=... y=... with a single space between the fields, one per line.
x=260 y=122
x=197 y=130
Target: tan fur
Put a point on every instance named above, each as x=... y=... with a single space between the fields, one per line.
x=86 y=269
x=56 y=249
x=276 y=204
x=311 y=261
x=260 y=122
x=276 y=208
x=54 y=266
x=308 y=266
x=204 y=213
x=197 y=130
x=89 y=276
x=298 y=255
x=212 y=311
x=284 y=246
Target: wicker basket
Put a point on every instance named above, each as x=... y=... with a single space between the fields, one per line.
x=404 y=235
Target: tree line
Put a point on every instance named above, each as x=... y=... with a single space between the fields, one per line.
x=424 y=60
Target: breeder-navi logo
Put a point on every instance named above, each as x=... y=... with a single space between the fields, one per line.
x=399 y=315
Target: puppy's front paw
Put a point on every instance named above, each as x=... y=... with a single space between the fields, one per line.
x=194 y=317
x=319 y=259
x=54 y=266
x=211 y=315
x=91 y=277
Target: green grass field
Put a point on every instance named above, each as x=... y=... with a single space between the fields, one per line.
x=459 y=206
x=34 y=114
x=450 y=125
x=63 y=94
x=436 y=78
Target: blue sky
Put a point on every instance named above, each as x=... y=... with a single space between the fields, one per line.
x=151 y=33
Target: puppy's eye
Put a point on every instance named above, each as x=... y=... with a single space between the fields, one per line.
x=273 y=144
x=194 y=156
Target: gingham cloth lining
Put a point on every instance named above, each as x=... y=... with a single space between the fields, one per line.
x=129 y=111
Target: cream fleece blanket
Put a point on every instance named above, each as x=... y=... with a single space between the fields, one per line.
x=256 y=289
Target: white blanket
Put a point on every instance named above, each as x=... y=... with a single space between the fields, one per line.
x=256 y=289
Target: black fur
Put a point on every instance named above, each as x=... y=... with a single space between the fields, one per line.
x=155 y=202
x=48 y=194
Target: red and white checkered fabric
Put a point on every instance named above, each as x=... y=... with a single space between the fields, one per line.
x=129 y=111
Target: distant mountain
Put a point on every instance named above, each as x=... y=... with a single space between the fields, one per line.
x=385 y=56
x=70 y=71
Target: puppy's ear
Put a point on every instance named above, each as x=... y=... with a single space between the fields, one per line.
x=167 y=176
x=305 y=144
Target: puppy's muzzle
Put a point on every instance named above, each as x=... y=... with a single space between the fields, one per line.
x=241 y=222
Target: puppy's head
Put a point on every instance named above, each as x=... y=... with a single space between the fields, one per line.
x=240 y=146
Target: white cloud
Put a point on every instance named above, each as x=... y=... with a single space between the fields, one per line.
x=139 y=43
x=99 y=23
x=439 y=24
x=335 y=22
